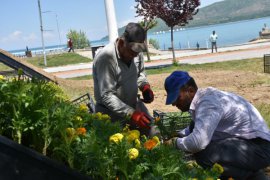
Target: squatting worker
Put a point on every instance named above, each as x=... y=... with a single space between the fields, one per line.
x=118 y=73
x=227 y=129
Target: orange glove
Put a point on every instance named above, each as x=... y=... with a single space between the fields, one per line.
x=141 y=119
x=148 y=95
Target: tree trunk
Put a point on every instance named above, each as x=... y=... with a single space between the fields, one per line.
x=147 y=51
x=174 y=60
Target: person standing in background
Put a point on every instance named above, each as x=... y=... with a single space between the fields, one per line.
x=213 y=40
x=70 y=45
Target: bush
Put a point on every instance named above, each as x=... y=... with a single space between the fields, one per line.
x=154 y=42
x=37 y=114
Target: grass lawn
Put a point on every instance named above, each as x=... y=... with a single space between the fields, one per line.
x=58 y=60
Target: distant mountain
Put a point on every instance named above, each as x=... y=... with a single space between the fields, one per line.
x=225 y=11
x=222 y=12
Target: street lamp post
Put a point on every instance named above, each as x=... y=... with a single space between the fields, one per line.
x=58 y=31
x=111 y=20
x=42 y=38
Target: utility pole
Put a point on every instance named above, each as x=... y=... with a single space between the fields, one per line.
x=41 y=29
x=111 y=20
x=58 y=31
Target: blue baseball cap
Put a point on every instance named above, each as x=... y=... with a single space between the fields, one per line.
x=173 y=84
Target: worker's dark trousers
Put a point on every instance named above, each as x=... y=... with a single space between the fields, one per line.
x=214 y=46
x=240 y=158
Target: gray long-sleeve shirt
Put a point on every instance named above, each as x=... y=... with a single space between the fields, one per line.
x=219 y=115
x=115 y=83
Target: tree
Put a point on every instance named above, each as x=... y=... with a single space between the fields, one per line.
x=154 y=43
x=172 y=12
x=79 y=39
x=147 y=24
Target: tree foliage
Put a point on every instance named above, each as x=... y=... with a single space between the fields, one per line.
x=172 y=12
x=154 y=43
x=79 y=39
x=148 y=24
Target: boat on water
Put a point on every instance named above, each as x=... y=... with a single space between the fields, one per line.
x=265 y=32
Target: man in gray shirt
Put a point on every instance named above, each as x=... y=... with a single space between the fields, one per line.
x=118 y=73
x=227 y=129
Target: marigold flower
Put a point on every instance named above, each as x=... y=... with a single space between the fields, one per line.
x=99 y=115
x=155 y=138
x=70 y=132
x=2 y=77
x=78 y=118
x=81 y=131
x=133 y=153
x=150 y=144
x=132 y=135
x=137 y=143
x=83 y=108
x=116 y=138
x=209 y=178
x=191 y=164
x=217 y=168
x=105 y=117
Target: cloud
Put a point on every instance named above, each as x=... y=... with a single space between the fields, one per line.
x=18 y=36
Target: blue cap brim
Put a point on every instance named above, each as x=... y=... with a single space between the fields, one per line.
x=171 y=97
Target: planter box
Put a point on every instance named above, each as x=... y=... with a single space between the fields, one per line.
x=266 y=63
x=22 y=163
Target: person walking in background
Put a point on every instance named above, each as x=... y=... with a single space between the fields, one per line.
x=70 y=45
x=213 y=40
x=227 y=129
x=118 y=73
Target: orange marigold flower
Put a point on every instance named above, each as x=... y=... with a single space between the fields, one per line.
x=81 y=131
x=150 y=144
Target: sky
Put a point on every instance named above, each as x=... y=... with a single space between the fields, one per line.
x=20 y=22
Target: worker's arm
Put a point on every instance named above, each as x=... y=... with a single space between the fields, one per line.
x=207 y=117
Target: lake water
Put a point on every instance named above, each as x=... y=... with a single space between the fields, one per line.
x=228 y=34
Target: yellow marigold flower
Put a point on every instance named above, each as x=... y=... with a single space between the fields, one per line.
x=217 y=168
x=99 y=115
x=150 y=144
x=105 y=117
x=81 y=131
x=137 y=143
x=132 y=135
x=78 y=118
x=155 y=138
x=191 y=164
x=209 y=178
x=70 y=132
x=2 y=77
x=116 y=138
x=83 y=108
x=133 y=153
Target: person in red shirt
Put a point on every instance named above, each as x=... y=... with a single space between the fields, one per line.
x=70 y=45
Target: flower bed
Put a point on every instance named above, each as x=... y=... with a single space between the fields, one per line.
x=40 y=116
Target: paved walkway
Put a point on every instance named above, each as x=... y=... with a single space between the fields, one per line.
x=244 y=51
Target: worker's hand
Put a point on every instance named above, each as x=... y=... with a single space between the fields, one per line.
x=148 y=95
x=141 y=119
x=171 y=142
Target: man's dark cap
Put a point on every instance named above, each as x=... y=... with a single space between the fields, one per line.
x=135 y=34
